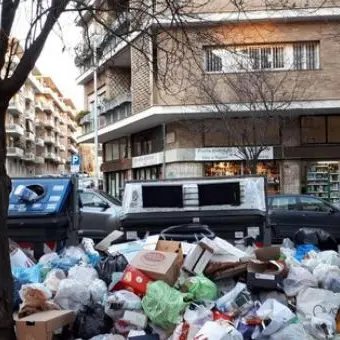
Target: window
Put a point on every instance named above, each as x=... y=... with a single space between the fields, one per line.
x=284 y=203
x=298 y=56
x=313 y=204
x=313 y=130
x=89 y=199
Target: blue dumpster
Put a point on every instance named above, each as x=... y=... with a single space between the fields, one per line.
x=42 y=210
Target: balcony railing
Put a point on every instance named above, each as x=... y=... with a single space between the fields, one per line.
x=30 y=114
x=39 y=142
x=62 y=147
x=49 y=123
x=47 y=107
x=49 y=156
x=49 y=139
x=29 y=94
x=38 y=105
x=17 y=105
x=30 y=136
x=14 y=152
x=29 y=157
x=39 y=160
x=72 y=148
x=14 y=130
x=110 y=105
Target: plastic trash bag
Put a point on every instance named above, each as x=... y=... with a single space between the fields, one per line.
x=104 y=337
x=314 y=302
x=303 y=250
x=293 y=331
x=98 y=290
x=318 y=237
x=238 y=301
x=329 y=257
x=53 y=279
x=91 y=321
x=278 y=316
x=218 y=330
x=320 y=328
x=75 y=253
x=64 y=264
x=288 y=243
x=47 y=259
x=201 y=288
x=163 y=304
x=298 y=279
x=31 y=274
x=92 y=254
x=197 y=315
x=72 y=294
x=85 y=275
x=322 y=270
x=185 y=331
x=109 y=265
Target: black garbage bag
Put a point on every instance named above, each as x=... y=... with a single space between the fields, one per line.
x=92 y=321
x=319 y=237
x=109 y=265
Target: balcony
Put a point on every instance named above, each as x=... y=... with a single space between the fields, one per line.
x=57 y=144
x=14 y=130
x=49 y=156
x=47 y=107
x=30 y=136
x=16 y=105
x=71 y=124
x=49 y=139
x=38 y=121
x=49 y=123
x=58 y=159
x=87 y=119
x=62 y=147
x=110 y=105
x=38 y=106
x=73 y=138
x=30 y=115
x=72 y=149
x=39 y=142
x=39 y=160
x=29 y=157
x=29 y=94
x=14 y=152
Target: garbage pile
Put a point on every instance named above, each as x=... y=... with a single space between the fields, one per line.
x=157 y=290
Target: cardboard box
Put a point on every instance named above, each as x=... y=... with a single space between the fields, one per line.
x=266 y=272
x=157 y=265
x=40 y=326
x=197 y=260
x=171 y=247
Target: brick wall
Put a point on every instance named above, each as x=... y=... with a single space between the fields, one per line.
x=140 y=75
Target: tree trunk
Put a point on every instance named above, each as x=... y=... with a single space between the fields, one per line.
x=6 y=283
x=252 y=166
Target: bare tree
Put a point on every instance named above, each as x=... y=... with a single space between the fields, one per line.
x=17 y=61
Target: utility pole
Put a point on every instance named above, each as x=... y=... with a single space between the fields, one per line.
x=95 y=111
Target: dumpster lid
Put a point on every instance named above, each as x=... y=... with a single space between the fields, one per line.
x=243 y=193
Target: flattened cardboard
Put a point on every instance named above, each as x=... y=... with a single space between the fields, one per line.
x=40 y=326
x=105 y=243
x=157 y=265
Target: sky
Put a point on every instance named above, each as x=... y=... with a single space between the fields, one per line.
x=57 y=58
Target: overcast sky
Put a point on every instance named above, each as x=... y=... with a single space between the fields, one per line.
x=55 y=62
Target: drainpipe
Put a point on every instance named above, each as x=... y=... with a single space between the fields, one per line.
x=164 y=151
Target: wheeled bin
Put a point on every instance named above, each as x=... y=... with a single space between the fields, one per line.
x=44 y=210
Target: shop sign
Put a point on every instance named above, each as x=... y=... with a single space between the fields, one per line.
x=227 y=154
x=147 y=160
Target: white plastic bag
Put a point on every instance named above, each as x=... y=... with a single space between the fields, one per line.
x=85 y=275
x=293 y=331
x=322 y=271
x=72 y=294
x=98 y=290
x=279 y=316
x=197 y=316
x=314 y=302
x=298 y=279
x=330 y=257
x=76 y=254
x=223 y=303
x=53 y=279
x=48 y=258
x=185 y=331
x=320 y=328
x=218 y=330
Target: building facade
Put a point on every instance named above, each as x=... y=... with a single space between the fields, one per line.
x=40 y=129
x=158 y=119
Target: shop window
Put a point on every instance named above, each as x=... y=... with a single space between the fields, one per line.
x=333 y=128
x=313 y=130
x=108 y=152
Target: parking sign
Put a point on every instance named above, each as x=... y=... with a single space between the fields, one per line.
x=75 y=163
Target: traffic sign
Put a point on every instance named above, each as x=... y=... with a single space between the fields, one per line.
x=75 y=160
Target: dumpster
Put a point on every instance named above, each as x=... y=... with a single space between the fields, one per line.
x=233 y=208
x=44 y=210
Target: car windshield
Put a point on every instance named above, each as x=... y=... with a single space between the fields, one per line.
x=111 y=198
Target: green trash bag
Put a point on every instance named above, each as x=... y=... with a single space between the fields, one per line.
x=200 y=288
x=163 y=304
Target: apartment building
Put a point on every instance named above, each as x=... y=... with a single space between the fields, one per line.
x=40 y=129
x=158 y=120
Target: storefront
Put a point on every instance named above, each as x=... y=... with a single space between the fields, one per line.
x=115 y=182
x=271 y=169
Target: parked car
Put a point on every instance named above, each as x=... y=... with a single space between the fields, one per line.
x=100 y=214
x=288 y=213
